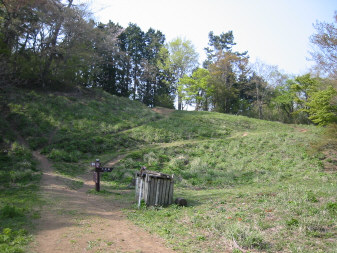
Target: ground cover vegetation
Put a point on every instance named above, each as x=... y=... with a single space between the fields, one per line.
x=19 y=201
x=251 y=184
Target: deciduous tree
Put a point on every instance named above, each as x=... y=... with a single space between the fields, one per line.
x=325 y=47
x=183 y=59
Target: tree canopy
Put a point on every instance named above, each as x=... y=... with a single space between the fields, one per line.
x=55 y=44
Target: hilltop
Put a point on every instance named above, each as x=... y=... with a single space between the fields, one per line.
x=251 y=184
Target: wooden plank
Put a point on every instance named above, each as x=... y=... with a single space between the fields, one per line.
x=171 y=191
x=144 y=188
x=157 y=192
x=136 y=188
x=154 y=187
x=162 y=197
x=142 y=183
x=160 y=186
x=151 y=191
x=161 y=192
x=165 y=193
x=147 y=189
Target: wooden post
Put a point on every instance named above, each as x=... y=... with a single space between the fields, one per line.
x=98 y=180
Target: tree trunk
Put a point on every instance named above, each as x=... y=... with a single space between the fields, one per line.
x=179 y=103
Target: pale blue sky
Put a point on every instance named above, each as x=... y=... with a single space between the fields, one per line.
x=274 y=31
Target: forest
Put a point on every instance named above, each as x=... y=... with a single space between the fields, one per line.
x=53 y=44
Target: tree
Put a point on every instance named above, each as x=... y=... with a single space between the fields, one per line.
x=320 y=107
x=229 y=73
x=182 y=60
x=325 y=50
x=108 y=72
x=49 y=42
x=259 y=92
x=284 y=102
x=218 y=43
x=227 y=76
x=197 y=89
x=133 y=44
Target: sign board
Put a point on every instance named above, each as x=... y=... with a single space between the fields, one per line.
x=104 y=169
x=96 y=175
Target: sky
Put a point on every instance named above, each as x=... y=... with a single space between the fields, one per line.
x=274 y=31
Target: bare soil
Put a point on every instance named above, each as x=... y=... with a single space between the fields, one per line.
x=75 y=221
x=163 y=111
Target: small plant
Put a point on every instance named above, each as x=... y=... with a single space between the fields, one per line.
x=11 y=212
x=13 y=240
x=332 y=208
x=311 y=197
x=248 y=238
x=292 y=222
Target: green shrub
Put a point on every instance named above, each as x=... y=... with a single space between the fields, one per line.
x=60 y=155
x=13 y=241
x=292 y=222
x=332 y=208
x=37 y=142
x=247 y=238
x=9 y=211
x=22 y=176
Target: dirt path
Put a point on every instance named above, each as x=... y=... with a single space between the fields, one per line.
x=163 y=111
x=75 y=221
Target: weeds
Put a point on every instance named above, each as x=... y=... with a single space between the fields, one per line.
x=248 y=182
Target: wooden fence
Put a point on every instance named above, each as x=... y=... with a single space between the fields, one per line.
x=156 y=189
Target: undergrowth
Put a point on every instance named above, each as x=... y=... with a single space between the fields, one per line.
x=251 y=185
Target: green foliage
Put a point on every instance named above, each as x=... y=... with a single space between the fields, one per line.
x=321 y=109
x=69 y=128
x=17 y=164
x=197 y=89
x=292 y=222
x=182 y=60
x=13 y=241
x=16 y=217
x=248 y=238
x=250 y=182
x=10 y=212
x=306 y=98
x=332 y=208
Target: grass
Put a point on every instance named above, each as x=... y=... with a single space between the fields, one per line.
x=19 y=200
x=19 y=207
x=251 y=185
x=70 y=127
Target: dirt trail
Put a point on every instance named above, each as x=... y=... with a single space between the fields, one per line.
x=163 y=111
x=75 y=221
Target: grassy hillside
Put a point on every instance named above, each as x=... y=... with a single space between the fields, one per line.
x=251 y=185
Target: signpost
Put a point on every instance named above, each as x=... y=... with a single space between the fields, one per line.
x=96 y=175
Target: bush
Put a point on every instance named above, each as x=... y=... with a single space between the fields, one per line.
x=11 y=212
x=12 y=241
x=248 y=238
x=59 y=155
x=332 y=208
